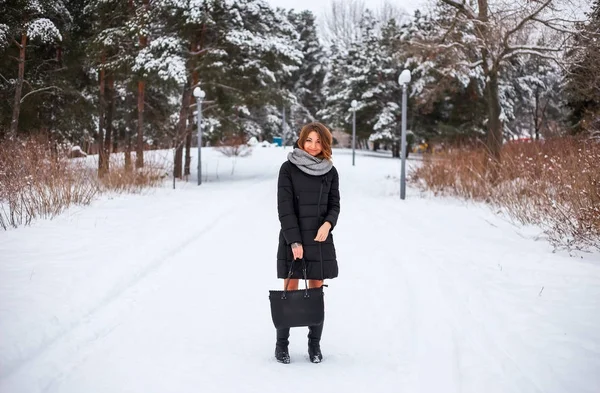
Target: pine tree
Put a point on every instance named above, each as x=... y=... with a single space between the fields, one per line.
x=446 y=101
x=110 y=52
x=388 y=117
x=583 y=81
x=307 y=82
x=336 y=100
x=531 y=99
x=356 y=76
x=23 y=22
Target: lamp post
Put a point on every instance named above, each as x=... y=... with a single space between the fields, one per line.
x=353 y=104
x=403 y=80
x=199 y=94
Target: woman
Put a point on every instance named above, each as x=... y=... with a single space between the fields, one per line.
x=308 y=203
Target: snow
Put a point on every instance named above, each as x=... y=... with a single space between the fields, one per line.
x=4 y=34
x=44 y=30
x=162 y=57
x=168 y=291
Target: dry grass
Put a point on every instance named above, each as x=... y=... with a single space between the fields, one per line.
x=38 y=181
x=555 y=184
x=122 y=179
x=234 y=146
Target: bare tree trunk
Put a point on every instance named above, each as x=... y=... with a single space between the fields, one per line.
x=180 y=132
x=14 y=124
x=128 y=148
x=540 y=114
x=396 y=150
x=129 y=118
x=177 y=172
x=100 y=140
x=494 y=136
x=109 y=118
x=128 y=131
x=534 y=116
x=139 y=151
x=139 y=159
x=188 y=136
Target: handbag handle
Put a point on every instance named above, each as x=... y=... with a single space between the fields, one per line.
x=290 y=276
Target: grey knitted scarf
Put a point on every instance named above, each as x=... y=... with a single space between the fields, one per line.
x=308 y=164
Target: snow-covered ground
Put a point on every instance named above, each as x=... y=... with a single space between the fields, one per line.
x=168 y=292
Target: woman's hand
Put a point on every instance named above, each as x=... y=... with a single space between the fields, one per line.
x=297 y=250
x=323 y=232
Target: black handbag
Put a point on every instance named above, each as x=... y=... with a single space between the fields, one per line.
x=301 y=307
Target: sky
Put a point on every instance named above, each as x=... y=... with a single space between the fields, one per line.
x=577 y=7
x=318 y=6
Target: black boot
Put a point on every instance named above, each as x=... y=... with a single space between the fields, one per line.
x=314 y=343
x=281 y=347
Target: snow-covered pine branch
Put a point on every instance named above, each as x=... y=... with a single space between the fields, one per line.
x=4 y=35
x=163 y=57
x=44 y=30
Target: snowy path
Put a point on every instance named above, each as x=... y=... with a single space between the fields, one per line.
x=168 y=292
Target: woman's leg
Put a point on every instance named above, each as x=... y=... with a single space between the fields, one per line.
x=293 y=285
x=281 y=347
x=315 y=332
x=315 y=283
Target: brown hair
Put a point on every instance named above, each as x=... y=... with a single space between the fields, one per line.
x=324 y=135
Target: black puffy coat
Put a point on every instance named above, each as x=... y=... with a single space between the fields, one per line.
x=297 y=206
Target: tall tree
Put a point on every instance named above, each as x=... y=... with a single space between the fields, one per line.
x=141 y=20
x=336 y=99
x=531 y=95
x=110 y=52
x=498 y=30
x=306 y=83
x=24 y=21
x=388 y=115
x=583 y=78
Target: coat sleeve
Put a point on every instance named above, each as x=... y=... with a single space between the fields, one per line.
x=333 y=203
x=285 y=207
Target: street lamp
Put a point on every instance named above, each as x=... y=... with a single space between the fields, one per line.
x=353 y=104
x=403 y=80
x=199 y=94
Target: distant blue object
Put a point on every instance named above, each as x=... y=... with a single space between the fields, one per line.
x=278 y=140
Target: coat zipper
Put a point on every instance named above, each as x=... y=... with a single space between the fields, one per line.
x=323 y=180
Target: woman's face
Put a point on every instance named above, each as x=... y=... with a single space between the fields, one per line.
x=313 y=144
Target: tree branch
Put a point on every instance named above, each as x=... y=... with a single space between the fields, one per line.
x=223 y=86
x=439 y=46
x=511 y=49
x=471 y=65
x=524 y=21
x=451 y=26
x=38 y=90
x=562 y=29
x=463 y=7
x=201 y=51
x=525 y=51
